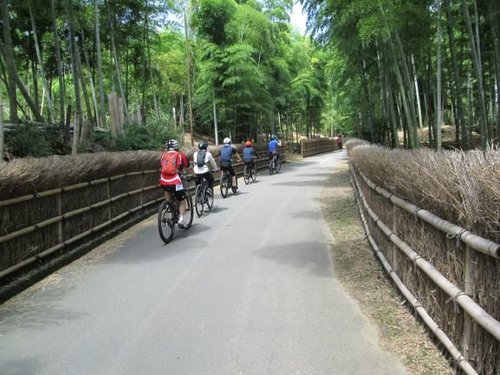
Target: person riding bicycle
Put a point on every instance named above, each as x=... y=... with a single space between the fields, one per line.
x=249 y=154
x=173 y=162
x=201 y=159
x=227 y=152
x=273 y=147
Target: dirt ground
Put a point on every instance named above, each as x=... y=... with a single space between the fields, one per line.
x=364 y=278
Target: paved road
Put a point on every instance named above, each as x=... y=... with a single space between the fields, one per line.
x=249 y=289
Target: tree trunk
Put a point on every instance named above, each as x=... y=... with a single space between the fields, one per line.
x=74 y=65
x=476 y=57
x=60 y=75
x=439 y=104
x=2 y=161
x=102 y=99
x=216 y=128
x=495 y=26
x=9 y=61
x=188 y=71
x=118 y=76
x=40 y=64
x=457 y=84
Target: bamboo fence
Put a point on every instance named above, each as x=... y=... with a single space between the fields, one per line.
x=449 y=275
x=42 y=225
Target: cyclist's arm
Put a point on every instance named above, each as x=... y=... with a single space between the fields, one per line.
x=212 y=162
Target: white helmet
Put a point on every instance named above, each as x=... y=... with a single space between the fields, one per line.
x=227 y=141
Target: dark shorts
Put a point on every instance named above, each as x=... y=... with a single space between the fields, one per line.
x=272 y=153
x=227 y=167
x=179 y=194
x=208 y=176
x=250 y=163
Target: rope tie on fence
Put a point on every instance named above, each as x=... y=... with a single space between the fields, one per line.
x=457 y=237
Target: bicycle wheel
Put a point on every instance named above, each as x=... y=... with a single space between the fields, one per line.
x=278 y=166
x=271 y=167
x=209 y=195
x=224 y=184
x=199 y=199
x=189 y=211
x=234 y=188
x=253 y=174
x=246 y=175
x=165 y=222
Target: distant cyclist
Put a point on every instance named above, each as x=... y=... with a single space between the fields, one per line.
x=201 y=159
x=273 y=147
x=173 y=162
x=227 y=152
x=249 y=155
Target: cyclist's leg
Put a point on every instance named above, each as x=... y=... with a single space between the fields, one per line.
x=233 y=175
x=210 y=178
x=181 y=197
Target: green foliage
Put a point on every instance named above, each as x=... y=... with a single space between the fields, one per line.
x=142 y=137
x=29 y=140
x=210 y=19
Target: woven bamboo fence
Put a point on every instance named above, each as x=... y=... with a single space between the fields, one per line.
x=309 y=147
x=450 y=276
x=44 y=225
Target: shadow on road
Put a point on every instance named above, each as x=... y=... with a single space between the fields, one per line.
x=309 y=256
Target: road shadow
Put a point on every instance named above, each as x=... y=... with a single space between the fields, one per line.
x=300 y=183
x=309 y=256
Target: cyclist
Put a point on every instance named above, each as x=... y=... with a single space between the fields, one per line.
x=273 y=147
x=201 y=158
x=173 y=162
x=249 y=154
x=227 y=152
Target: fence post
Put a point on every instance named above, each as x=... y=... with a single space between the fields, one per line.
x=60 y=237
x=468 y=289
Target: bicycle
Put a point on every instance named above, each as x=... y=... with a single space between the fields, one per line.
x=274 y=164
x=226 y=183
x=249 y=172
x=168 y=215
x=204 y=195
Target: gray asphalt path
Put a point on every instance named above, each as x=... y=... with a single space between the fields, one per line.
x=249 y=289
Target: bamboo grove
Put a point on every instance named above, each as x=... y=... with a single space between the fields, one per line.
x=408 y=64
x=371 y=68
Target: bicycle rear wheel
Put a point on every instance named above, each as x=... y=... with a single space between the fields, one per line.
x=278 y=166
x=188 y=216
x=199 y=199
x=246 y=175
x=209 y=195
x=271 y=167
x=253 y=174
x=224 y=184
x=165 y=222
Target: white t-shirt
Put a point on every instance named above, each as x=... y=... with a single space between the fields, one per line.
x=208 y=159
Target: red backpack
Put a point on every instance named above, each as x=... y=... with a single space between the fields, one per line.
x=169 y=163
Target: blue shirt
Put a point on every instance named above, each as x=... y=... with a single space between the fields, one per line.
x=272 y=145
x=248 y=153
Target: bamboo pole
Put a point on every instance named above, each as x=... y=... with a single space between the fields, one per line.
x=64 y=244
x=469 y=306
x=433 y=326
x=71 y=214
x=476 y=242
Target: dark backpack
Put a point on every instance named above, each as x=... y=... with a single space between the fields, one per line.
x=200 y=158
x=226 y=153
